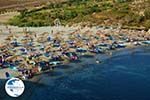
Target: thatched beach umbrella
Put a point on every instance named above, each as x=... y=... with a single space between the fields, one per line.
x=41 y=39
x=23 y=65
x=48 y=48
x=14 y=58
x=8 y=38
x=41 y=58
x=44 y=34
x=7 y=52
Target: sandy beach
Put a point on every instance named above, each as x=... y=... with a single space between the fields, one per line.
x=33 y=41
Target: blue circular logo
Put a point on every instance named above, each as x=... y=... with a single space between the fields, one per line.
x=14 y=87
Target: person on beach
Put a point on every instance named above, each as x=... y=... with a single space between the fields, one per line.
x=6 y=27
x=10 y=31
x=7 y=75
x=1 y=61
x=1 y=31
x=49 y=38
x=24 y=76
x=30 y=73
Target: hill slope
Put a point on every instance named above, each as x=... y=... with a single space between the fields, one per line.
x=129 y=13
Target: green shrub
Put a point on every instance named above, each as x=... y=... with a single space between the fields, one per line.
x=95 y=8
x=15 y=21
x=147 y=14
x=147 y=24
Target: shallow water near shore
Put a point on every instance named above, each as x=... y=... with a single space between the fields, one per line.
x=123 y=76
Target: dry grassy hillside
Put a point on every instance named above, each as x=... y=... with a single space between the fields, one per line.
x=13 y=4
x=4 y=3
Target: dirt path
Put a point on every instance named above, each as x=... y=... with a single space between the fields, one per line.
x=20 y=5
x=10 y=4
x=5 y=17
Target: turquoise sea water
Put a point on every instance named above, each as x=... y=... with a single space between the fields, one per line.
x=124 y=76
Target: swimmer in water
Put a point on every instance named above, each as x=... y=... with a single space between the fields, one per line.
x=97 y=61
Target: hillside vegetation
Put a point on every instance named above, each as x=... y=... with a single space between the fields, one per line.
x=128 y=13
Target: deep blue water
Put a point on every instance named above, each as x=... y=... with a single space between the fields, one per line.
x=124 y=76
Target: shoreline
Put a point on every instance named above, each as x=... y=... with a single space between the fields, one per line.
x=101 y=57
